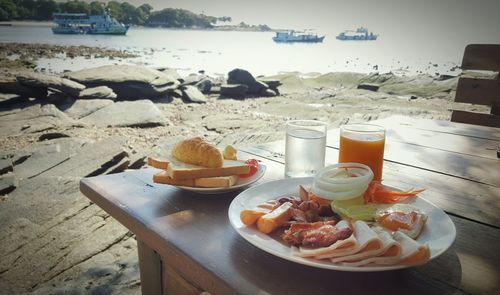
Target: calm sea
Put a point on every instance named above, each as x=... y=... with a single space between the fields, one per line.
x=218 y=52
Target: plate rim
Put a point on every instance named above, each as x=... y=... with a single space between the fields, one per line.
x=318 y=263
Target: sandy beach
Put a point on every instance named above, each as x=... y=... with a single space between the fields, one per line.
x=56 y=240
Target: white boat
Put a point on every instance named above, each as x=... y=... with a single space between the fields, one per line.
x=361 y=34
x=81 y=23
x=293 y=36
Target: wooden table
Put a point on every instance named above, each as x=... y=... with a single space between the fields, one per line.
x=186 y=244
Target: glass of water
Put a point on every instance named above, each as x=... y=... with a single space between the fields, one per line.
x=305 y=147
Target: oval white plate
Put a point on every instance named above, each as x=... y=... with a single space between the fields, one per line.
x=240 y=184
x=439 y=232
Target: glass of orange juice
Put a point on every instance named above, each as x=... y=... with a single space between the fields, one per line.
x=363 y=143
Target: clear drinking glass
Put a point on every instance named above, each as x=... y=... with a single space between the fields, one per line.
x=363 y=143
x=305 y=147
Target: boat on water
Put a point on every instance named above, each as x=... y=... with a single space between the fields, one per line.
x=81 y=23
x=360 y=34
x=294 y=36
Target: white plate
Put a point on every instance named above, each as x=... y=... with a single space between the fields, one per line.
x=240 y=184
x=439 y=232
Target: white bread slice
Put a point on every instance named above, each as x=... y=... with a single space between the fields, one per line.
x=158 y=163
x=179 y=170
x=221 y=181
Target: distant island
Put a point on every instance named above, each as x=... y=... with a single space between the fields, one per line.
x=124 y=12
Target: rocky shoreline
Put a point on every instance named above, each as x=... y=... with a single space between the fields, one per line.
x=56 y=129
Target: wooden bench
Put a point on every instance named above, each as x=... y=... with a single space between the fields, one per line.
x=482 y=57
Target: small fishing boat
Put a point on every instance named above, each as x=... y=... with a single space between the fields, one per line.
x=360 y=34
x=81 y=23
x=294 y=36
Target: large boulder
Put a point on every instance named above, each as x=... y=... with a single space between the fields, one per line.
x=240 y=76
x=39 y=80
x=127 y=81
x=233 y=90
x=100 y=92
x=84 y=107
x=140 y=113
x=192 y=94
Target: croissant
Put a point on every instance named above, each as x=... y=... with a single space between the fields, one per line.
x=197 y=151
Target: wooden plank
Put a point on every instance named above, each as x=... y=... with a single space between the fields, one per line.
x=150 y=269
x=193 y=232
x=440 y=126
x=176 y=284
x=475 y=118
x=473 y=146
x=478 y=91
x=484 y=57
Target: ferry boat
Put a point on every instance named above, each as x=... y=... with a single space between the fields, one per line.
x=293 y=36
x=81 y=23
x=361 y=34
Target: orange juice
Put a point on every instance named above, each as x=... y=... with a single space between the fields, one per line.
x=363 y=143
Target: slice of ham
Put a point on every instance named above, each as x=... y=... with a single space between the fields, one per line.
x=389 y=253
x=341 y=246
x=368 y=243
x=412 y=252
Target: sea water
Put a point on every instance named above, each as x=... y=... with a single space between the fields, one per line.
x=304 y=152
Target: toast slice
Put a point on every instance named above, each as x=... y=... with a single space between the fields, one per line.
x=158 y=163
x=209 y=182
x=178 y=170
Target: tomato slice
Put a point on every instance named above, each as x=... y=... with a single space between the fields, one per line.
x=254 y=167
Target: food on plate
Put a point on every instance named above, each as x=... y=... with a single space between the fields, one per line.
x=274 y=219
x=208 y=182
x=197 y=151
x=254 y=167
x=335 y=221
x=379 y=193
x=229 y=153
x=342 y=181
x=196 y=163
x=181 y=170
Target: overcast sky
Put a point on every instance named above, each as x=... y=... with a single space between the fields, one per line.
x=450 y=16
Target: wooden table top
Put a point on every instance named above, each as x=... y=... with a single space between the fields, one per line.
x=456 y=163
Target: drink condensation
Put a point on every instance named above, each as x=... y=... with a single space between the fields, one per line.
x=304 y=152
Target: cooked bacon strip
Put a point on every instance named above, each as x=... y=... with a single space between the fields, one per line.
x=317 y=234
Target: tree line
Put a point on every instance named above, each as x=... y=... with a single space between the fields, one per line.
x=42 y=10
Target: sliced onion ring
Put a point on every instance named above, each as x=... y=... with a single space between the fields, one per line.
x=327 y=186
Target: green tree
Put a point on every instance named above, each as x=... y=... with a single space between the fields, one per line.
x=44 y=9
x=96 y=7
x=8 y=10
x=25 y=8
x=115 y=10
x=75 y=6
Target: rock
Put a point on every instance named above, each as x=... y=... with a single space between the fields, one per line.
x=52 y=135
x=215 y=90
x=127 y=81
x=81 y=108
x=271 y=83
x=192 y=94
x=7 y=183
x=193 y=79
x=140 y=113
x=91 y=159
x=55 y=82
x=233 y=90
x=100 y=92
x=6 y=165
x=172 y=73
x=240 y=76
x=368 y=86
x=32 y=119
x=46 y=156
x=204 y=85
x=268 y=92
x=11 y=85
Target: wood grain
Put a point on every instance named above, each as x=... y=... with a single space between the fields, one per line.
x=475 y=118
x=478 y=91
x=484 y=57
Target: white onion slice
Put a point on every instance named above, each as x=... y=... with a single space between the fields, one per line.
x=328 y=185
